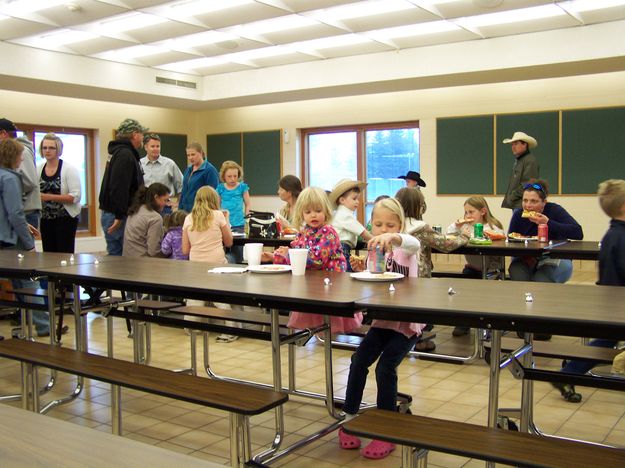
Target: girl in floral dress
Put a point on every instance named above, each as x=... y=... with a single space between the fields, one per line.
x=314 y=212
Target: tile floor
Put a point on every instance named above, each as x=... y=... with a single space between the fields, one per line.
x=450 y=391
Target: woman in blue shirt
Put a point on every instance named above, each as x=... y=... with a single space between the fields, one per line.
x=198 y=174
x=561 y=225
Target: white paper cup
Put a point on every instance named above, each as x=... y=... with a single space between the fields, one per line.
x=253 y=252
x=298 y=258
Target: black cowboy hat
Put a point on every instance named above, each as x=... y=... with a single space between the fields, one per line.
x=412 y=175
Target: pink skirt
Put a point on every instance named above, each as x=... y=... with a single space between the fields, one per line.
x=302 y=320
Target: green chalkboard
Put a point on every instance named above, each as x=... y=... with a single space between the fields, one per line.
x=465 y=152
x=174 y=147
x=593 y=148
x=544 y=126
x=262 y=160
x=224 y=147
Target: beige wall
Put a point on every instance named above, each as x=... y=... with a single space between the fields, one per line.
x=425 y=106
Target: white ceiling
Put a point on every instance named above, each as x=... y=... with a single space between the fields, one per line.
x=205 y=41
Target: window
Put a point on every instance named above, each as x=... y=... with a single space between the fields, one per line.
x=78 y=150
x=377 y=154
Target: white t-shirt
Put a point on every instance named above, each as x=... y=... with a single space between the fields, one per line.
x=347 y=226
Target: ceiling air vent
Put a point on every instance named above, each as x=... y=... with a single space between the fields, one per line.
x=180 y=83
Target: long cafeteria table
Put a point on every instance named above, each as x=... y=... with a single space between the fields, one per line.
x=574 y=310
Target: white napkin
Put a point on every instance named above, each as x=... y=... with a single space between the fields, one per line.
x=228 y=270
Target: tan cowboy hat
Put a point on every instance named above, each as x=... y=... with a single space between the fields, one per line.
x=520 y=136
x=342 y=186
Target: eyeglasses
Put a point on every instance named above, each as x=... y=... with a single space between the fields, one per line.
x=534 y=186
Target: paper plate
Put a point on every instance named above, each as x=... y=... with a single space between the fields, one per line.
x=269 y=269
x=366 y=276
x=228 y=270
x=522 y=239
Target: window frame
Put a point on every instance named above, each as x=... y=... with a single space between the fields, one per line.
x=361 y=157
x=90 y=135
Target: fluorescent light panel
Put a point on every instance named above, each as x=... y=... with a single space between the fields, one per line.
x=282 y=23
x=198 y=7
x=512 y=16
x=580 y=6
x=65 y=36
x=129 y=21
x=412 y=30
x=199 y=39
x=360 y=10
x=21 y=7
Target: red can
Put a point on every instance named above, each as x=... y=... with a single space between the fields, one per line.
x=543 y=233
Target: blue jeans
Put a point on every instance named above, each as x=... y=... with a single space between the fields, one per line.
x=520 y=271
x=41 y=318
x=580 y=366
x=33 y=217
x=114 y=241
x=347 y=252
x=391 y=347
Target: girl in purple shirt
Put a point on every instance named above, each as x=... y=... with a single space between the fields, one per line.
x=171 y=246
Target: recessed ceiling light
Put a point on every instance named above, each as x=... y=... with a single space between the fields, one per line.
x=20 y=7
x=589 y=5
x=512 y=16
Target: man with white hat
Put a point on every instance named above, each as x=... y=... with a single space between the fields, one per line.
x=525 y=168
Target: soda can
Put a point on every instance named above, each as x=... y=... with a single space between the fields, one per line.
x=376 y=261
x=478 y=231
x=438 y=228
x=543 y=233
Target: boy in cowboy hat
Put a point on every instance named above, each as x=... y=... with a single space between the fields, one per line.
x=345 y=196
x=413 y=179
x=525 y=168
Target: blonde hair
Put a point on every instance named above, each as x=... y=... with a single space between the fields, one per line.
x=480 y=202
x=229 y=165
x=57 y=142
x=206 y=201
x=612 y=197
x=311 y=197
x=392 y=205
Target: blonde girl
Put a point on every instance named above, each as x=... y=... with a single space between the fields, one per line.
x=234 y=194
x=476 y=210
x=314 y=212
x=206 y=230
x=388 y=342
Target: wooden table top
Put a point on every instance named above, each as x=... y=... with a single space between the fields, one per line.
x=31 y=439
x=563 y=309
x=580 y=250
x=504 y=249
x=191 y=279
x=12 y=264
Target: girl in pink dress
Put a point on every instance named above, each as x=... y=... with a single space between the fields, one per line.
x=314 y=212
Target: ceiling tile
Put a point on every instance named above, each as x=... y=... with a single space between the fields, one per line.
x=240 y=15
x=162 y=31
x=14 y=28
x=100 y=44
x=89 y=10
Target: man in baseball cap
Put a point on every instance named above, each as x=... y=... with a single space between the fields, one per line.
x=525 y=168
x=122 y=178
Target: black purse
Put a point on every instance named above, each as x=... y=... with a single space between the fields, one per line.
x=261 y=224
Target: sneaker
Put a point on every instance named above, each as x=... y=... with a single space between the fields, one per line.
x=16 y=333
x=223 y=338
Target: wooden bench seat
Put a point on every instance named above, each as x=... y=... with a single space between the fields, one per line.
x=561 y=350
x=235 y=398
x=253 y=318
x=470 y=440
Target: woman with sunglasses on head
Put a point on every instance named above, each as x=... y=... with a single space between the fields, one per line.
x=59 y=183
x=536 y=210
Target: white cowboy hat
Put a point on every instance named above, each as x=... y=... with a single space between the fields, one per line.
x=520 y=136
x=342 y=186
